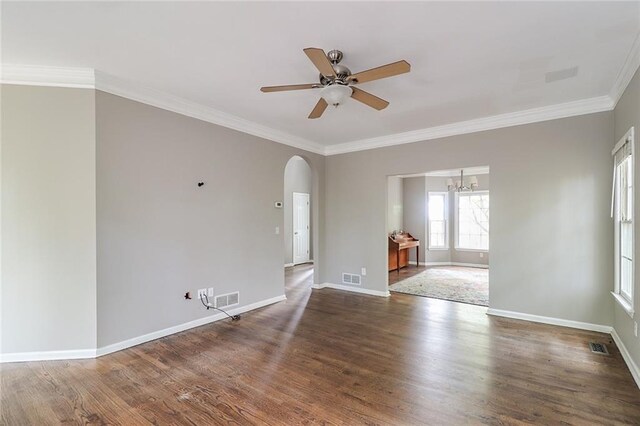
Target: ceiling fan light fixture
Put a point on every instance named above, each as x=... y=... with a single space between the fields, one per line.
x=336 y=94
x=338 y=83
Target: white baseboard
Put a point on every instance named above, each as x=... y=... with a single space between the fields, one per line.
x=352 y=289
x=633 y=367
x=469 y=265
x=289 y=265
x=435 y=263
x=93 y=353
x=185 y=326
x=47 y=355
x=550 y=320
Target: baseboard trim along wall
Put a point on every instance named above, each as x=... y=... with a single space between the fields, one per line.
x=468 y=265
x=633 y=367
x=352 y=289
x=47 y=355
x=550 y=320
x=185 y=326
x=93 y=353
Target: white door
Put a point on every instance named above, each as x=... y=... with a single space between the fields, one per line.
x=300 y=227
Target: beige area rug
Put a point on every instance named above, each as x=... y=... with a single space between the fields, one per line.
x=456 y=283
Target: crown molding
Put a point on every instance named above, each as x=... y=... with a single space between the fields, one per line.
x=534 y=115
x=117 y=86
x=87 y=78
x=34 y=75
x=629 y=69
x=93 y=79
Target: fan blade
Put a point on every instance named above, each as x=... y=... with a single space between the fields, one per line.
x=268 y=89
x=369 y=99
x=320 y=60
x=384 y=71
x=319 y=108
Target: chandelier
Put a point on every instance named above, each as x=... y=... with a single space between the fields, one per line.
x=461 y=185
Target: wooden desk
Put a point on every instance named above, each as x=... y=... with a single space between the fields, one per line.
x=399 y=251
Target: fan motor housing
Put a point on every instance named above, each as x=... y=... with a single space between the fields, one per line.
x=342 y=72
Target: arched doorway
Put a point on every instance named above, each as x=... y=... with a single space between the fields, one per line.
x=297 y=206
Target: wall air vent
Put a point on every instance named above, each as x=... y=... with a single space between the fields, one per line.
x=351 y=279
x=229 y=299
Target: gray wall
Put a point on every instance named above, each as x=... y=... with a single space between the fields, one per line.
x=160 y=235
x=395 y=204
x=414 y=213
x=627 y=114
x=546 y=260
x=48 y=219
x=297 y=178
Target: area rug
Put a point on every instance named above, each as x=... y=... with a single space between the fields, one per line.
x=456 y=283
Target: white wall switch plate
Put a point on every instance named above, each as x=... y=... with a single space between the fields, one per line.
x=635 y=328
x=201 y=293
x=277 y=230
x=210 y=292
x=363 y=272
x=481 y=255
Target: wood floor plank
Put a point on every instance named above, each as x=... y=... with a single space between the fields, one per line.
x=333 y=357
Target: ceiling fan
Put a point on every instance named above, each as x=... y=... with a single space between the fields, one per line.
x=337 y=83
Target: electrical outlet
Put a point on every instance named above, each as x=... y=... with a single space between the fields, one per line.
x=201 y=293
x=210 y=292
x=363 y=272
x=277 y=230
x=481 y=255
x=635 y=328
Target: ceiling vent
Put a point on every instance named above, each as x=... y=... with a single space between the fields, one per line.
x=558 y=75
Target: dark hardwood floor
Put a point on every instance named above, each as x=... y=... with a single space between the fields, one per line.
x=406 y=272
x=328 y=356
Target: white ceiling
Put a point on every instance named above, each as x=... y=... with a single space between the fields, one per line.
x=469 y=60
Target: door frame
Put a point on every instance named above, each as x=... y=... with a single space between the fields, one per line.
x=293 y=232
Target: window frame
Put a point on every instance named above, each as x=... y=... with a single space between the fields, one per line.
x=625 y=300
x=456 y=235
x=445 y=194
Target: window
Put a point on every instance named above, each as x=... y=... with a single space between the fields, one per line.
x=437 y=219
x=472 y=221
x=622 y=211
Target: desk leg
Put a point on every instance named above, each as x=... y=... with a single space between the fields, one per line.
x=417 y=256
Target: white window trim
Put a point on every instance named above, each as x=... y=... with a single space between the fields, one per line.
x=446 y=222
x=619 y=297
x=624 y=303
x=456 y=226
